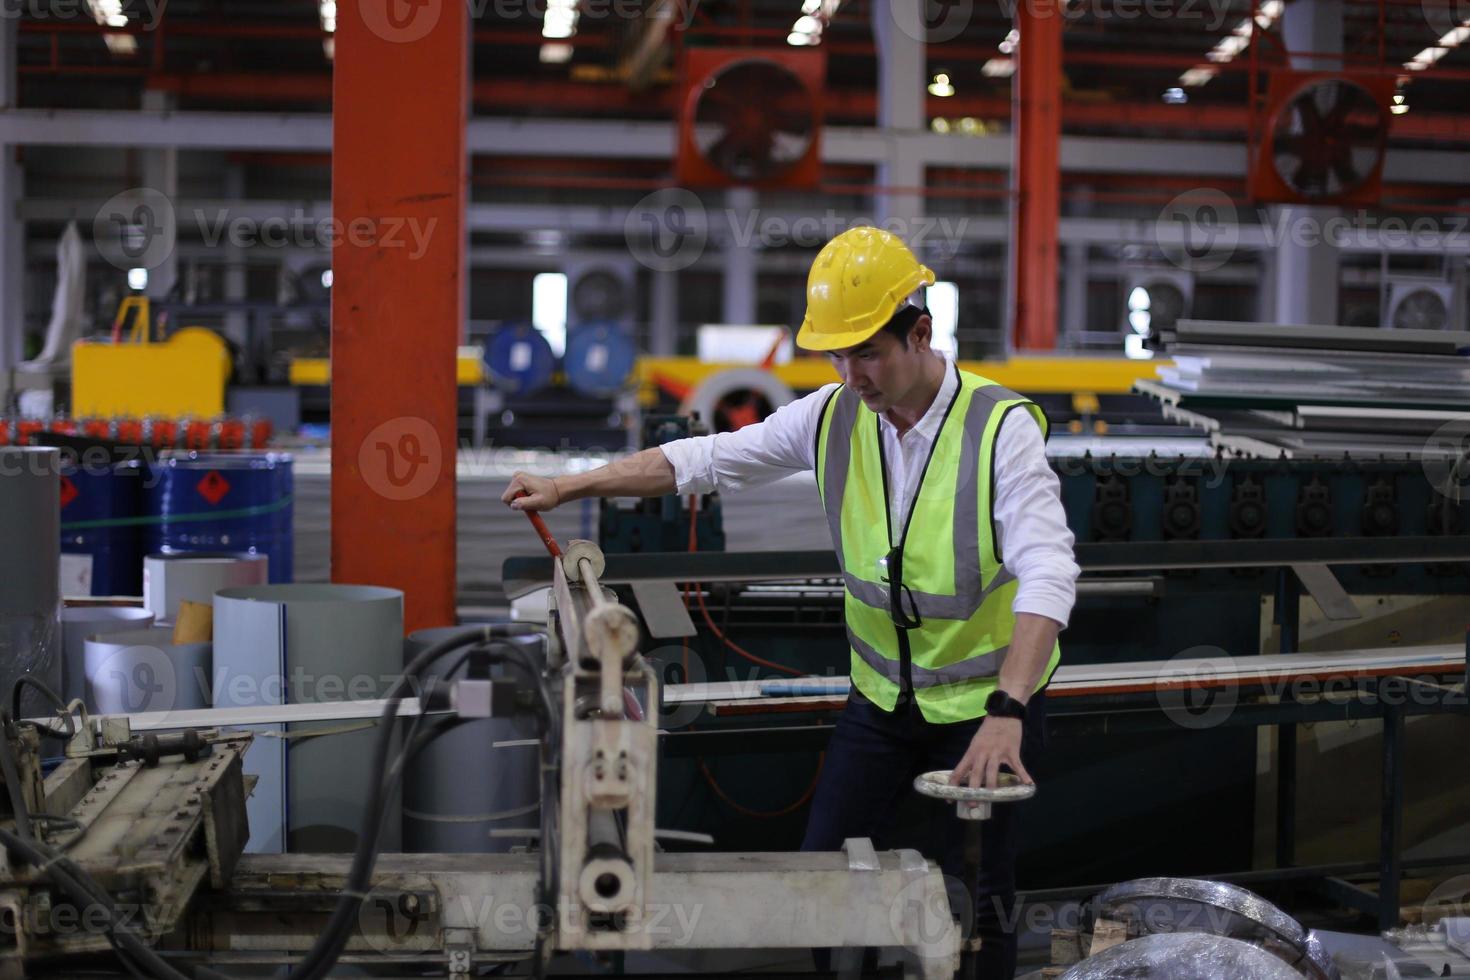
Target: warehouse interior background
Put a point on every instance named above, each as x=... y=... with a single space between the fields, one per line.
x=316 y=278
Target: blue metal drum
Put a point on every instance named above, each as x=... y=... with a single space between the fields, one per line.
x=600 y=358
x=217 y=502
x=520 y=359
x=101 y=541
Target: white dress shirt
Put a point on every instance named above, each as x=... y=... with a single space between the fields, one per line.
x=1029 y=519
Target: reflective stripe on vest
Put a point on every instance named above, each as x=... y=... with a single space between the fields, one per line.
x=961 y=590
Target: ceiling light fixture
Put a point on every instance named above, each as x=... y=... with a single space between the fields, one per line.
x=1232 y=45
x=110 y=13
x=1450 y=40
x=815 y=16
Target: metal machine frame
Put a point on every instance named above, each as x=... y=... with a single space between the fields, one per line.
x=597 y=882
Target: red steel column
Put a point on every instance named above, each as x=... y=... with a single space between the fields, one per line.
x=1036 y=179
x=400 y=96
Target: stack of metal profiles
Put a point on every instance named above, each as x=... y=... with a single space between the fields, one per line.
x=1318 y=392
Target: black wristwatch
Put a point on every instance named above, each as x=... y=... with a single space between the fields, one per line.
x=1002 y=705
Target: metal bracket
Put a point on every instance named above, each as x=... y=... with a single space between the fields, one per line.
x=1322 y=584
x=861 y=855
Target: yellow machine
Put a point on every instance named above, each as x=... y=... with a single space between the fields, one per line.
x=469 y=369
x=1034 y=374
x=182 y=376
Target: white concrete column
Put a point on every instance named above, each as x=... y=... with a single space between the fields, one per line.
x=161 y=173
x=12 y=230
x=901 y=95
x=1306 y=275
x=1074 y=292
x=663 y=315
x=236 y=325
x=740 y=257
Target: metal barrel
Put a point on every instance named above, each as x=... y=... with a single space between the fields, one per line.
x=447 y=811
x=222 y=502
x=101 y=540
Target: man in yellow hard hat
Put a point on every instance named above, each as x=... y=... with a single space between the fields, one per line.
x=954 y=549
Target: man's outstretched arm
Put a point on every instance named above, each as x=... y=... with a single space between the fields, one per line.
x=643 y=474
x=728 y=461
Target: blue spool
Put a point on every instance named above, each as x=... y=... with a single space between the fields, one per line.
x=238 y=502
x=100 y=528
x=520 y=359
x=600 y=358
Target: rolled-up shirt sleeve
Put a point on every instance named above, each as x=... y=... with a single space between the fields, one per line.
x=783 y=444
x=1031 y=524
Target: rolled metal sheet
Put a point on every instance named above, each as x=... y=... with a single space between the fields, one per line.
x=171 y=577
x=1317 y=961
x=30 y=550
x=144 y=670
x=78 y=623
x=520 y=359
x=291 y=644
x=600 y=358
x=1182 y=956
x=444 y=812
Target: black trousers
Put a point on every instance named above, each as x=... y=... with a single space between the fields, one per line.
x=871 y=763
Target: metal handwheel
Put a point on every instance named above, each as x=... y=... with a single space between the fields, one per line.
x=974 y=805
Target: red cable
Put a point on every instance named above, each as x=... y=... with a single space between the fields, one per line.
x=709 y=777
x=733 y=646
x=711 y=623
x=765 y=814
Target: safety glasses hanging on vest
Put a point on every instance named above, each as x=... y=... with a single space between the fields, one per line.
x=892 y=566
x=892 y=563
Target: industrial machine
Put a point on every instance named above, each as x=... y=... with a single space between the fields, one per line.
x=158 y=820
x=662 y=523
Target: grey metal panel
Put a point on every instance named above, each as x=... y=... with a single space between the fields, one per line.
x=663 y=609
x=249 y=647
x=1324 y=587
x=30 y=550
x=169 y=579
x=1325 y=338
x=277 y=644
x=82 y=622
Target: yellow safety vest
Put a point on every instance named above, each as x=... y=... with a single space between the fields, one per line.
x=954 y=591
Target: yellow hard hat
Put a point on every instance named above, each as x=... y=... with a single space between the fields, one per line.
x=858 y=281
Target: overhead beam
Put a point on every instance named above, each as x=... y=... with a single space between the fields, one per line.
x=721 y=227
x=591 y=138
